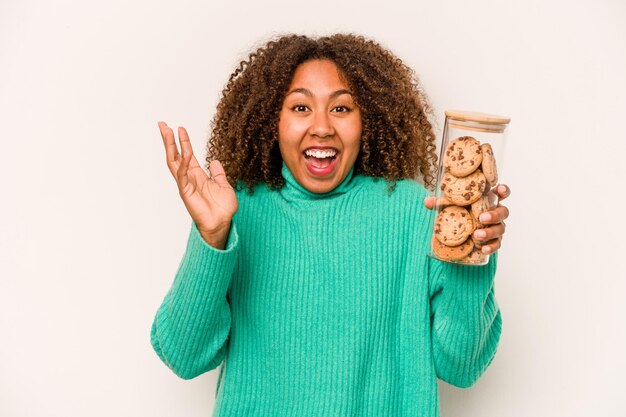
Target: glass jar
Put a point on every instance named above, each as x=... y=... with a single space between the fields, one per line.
x=470 y=157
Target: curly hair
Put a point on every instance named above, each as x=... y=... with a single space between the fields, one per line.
x=397 y=137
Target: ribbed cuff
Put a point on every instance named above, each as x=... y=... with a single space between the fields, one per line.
x=196 y=241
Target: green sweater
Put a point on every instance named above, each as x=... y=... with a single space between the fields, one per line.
x=328 y=305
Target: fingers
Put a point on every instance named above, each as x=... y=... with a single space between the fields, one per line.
x=171 y=151
x=491 y=246
x=491 y=236
x=490 y=233
x=438 y=202
x=503 y=191
x=185 y=143
x=217 y=172
x=497 y=215
x=178 y=164
x=187 y=151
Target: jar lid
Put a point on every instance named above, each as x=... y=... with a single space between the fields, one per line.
x=469 y=116
x=480 y=122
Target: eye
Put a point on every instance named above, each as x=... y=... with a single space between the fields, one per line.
x=299 y=108
x=341 y=109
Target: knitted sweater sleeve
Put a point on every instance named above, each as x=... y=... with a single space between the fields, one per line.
x=465 y=320
x=192 y=324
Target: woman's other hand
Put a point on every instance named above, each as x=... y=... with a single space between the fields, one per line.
x=491 y=235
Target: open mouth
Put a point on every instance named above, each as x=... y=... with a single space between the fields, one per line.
x=321 y=158
x=320 y=161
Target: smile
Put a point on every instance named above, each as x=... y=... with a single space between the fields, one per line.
x=321 y=162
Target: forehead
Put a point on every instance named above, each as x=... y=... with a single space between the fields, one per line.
x=319 y=74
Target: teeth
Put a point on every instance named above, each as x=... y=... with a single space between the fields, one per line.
x=316 y=153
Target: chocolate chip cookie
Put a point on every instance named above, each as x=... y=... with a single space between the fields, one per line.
x=463 y=156
x=463 y=191
x=489 y=165
x=452 y=253
x=453 y=226
x=476 y=257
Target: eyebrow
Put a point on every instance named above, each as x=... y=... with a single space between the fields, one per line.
x=308 y=93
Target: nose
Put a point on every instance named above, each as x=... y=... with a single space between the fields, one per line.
x=321 y=125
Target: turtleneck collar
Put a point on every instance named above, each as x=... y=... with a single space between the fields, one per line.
x=293 y=190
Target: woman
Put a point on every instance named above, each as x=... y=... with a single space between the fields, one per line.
x=306 y=276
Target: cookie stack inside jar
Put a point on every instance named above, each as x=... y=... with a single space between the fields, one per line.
x=468 y=173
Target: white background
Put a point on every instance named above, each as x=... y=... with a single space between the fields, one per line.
x=92 y=228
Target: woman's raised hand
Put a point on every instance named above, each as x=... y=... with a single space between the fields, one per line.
x=211 y=201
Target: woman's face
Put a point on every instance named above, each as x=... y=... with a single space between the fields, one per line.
x=319 y=128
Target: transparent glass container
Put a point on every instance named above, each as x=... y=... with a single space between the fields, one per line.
x=471 y=154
